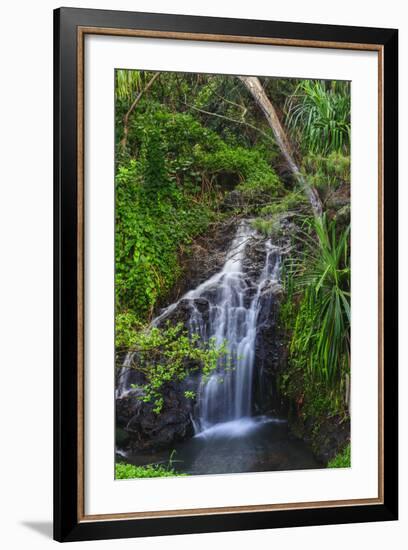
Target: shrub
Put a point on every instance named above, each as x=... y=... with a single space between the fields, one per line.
x=169 y=354
x=153 y=220
x=126 y=325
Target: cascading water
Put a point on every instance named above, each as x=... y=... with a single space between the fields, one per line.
x=235 y=306
x=235 y=302
x=235 y=299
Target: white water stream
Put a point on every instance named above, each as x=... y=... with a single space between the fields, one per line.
x=235 y=298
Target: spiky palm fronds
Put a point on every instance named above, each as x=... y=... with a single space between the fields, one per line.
x=318 y=113
x=321 y=335
x=128 y=83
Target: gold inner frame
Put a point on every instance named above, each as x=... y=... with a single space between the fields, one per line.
x=81 y=33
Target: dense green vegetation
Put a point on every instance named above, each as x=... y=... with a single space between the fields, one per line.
x=166 y=194
x=316 y=309
x=170 y=354
x=342 y=460
x=184 y=142
x=129 y=471
x=320 y=333
x=319 y=115
x=154 y=218
x=318 y=302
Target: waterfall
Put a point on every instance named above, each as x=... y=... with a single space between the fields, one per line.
x=237 y=298
x=235 y=302
x=123 y=384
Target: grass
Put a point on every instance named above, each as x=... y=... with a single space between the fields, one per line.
x=265 y=227
x=129 y=471
x=292 y=201
x=341 y=460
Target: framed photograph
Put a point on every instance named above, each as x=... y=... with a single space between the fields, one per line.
x=225 y=274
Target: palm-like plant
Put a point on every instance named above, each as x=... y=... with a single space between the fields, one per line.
x=128 y=83
x=321 y=338
x=318 y=113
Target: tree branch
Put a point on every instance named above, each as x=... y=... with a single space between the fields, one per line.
x=255 y=87
x=244 y=122
x=132 y=108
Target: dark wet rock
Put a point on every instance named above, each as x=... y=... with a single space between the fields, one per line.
x=144 y=430
x=336 y=202
x=254 y=257
x=204 y=258
x=343 y=215
x=147 y=431
x=332 y=437
x=269 y=353
x=326 y=436
x=271 y=289
x=184 y=309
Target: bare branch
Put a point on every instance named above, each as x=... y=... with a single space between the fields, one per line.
x=255 y=87
x=244 y=122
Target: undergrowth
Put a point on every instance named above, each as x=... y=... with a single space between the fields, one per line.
x=129 y=471
x=341 y=460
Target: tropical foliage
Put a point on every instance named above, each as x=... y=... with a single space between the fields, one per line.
x=319 y=115
x=128 y=83
x=184 y=143
x=321 y=333
x=316 y=310
x=169 y=354
x=167 y=194
x=317 y=314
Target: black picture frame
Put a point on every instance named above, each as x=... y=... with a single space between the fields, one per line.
x=68 y=525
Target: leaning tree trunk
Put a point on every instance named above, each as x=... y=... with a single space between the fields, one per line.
x=254 y=86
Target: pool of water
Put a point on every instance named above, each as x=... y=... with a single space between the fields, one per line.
x=255 y=444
